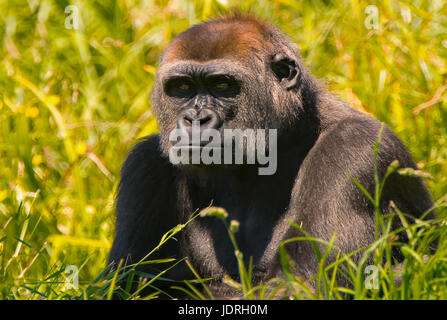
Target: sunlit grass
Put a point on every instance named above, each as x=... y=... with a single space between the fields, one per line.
x=73 y=102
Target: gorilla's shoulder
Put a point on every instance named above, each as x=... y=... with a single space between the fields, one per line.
x=146 y=156
x=364 y=130
x=356 y=124
x=149 y=145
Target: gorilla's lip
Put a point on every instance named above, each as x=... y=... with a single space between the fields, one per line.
x=195 y=146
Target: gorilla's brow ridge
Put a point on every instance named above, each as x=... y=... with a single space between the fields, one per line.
x=214 y=67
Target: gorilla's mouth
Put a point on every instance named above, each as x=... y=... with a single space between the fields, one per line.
x=196 y=147
x=193 y=154
x=235 y=147
x=198 y=144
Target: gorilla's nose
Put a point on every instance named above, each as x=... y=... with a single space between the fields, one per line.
x=204 y=118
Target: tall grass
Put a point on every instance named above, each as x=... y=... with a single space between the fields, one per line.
x=73 y=102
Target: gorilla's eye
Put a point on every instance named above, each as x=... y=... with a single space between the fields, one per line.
x=222 y=85
x=180 y=87
x=184 y=87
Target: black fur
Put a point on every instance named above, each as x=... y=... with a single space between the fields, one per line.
x=320 y=141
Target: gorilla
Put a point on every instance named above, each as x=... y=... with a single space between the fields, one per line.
x=238 y=72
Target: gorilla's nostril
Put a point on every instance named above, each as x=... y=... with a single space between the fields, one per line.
x=204 y=120
x=209 y=119
x=188 y=120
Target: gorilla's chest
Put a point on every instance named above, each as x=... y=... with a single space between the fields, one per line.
x=257 y=209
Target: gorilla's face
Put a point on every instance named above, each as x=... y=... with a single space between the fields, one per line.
x=206 y=93
x=201 y=102
x=214 y=90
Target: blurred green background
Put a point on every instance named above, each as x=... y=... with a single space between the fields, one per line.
x=74 y=101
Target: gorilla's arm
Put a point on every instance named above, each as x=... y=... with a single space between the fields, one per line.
x=325 y=200
x=146 y=203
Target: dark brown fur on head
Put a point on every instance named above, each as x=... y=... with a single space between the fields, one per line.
x=237 y=35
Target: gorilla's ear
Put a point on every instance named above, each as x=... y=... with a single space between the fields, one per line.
x=286 y=70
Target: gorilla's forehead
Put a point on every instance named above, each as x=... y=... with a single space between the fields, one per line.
x=240 y=40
